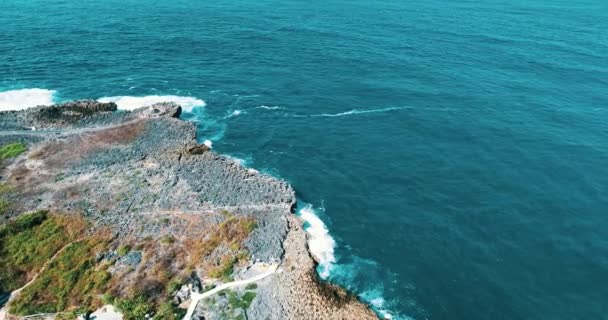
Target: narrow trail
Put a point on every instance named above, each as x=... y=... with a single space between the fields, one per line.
x=196 y=297
x=15 y=293
x=69 y=131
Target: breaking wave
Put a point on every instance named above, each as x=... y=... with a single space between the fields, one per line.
x=131 y=102
x=321 y=244
x=25 y=98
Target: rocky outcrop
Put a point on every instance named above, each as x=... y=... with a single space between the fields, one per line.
x=142 y=177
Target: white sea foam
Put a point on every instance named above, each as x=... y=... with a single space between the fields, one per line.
x=269 y=108
x=240 y=161
x=131 y=102
x=320 y=243
x=236 y=112
x=375 y=299
x=25 y=98
x=357 y=111
x=208 y=143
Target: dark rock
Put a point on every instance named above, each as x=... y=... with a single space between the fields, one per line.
x=199 y=149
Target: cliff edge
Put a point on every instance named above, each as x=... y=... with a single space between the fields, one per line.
x=99 y=206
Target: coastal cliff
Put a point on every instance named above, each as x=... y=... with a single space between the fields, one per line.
x=99 y=206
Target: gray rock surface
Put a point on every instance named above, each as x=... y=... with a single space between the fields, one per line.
x=142 y=176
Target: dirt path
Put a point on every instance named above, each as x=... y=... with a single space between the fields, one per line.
x=68 y=131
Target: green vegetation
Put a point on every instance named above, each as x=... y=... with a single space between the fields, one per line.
x=72 y=281
x=247 y=298
x=29 y=241
x=133 y=308
x=167 y=240
x=137 y=306
x=123 y=250
x=251 y=286
x=169 y=311
x=226 y=214
x=5 y=191
x=225 y=269
x=12 y=150
x=242 y=302
x=173 y=286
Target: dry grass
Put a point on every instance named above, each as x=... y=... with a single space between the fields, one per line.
x=228 y=237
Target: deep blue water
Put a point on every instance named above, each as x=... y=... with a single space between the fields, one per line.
x=457 y=151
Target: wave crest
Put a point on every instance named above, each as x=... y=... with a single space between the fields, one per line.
x=132 y=102
x=25 y=98
x=320 y=243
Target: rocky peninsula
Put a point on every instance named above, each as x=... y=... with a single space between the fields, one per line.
x=100 y=206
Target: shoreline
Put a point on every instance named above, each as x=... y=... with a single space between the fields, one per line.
x=152 y=141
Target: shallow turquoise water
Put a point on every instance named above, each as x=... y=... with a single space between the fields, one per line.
x=456 y=151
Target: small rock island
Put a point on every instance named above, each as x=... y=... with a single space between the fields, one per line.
x=124 y=215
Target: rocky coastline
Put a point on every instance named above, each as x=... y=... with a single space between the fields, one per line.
x=164 y=217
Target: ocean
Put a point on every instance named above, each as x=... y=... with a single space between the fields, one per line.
x=450 y=157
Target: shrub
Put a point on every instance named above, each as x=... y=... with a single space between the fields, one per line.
x=123 y=250
x=107 y=298
x=168 y=311
x=225 y=269
x=247 y=298
x=168 y=239
x=242 y=302
x=134 y=308
x=173 y=286
x=251 y=286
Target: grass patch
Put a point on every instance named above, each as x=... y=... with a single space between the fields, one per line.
x=123 y=250
x=242 y=302
x=29 y=241
x=12 y=150
x=71 y=282
x=133 y=308
x=225 y=269
x=247 y=298
x=169 y=311
x=167 y=240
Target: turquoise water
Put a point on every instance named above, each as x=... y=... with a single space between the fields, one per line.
x=455 y=151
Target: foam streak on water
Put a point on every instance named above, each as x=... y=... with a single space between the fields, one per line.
x=352 y=112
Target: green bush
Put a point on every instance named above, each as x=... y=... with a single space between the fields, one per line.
x=173 y=286
x=123 y=250
x=247 y=298
x=242 y=302
x=107 y=298
x=169 y=311
x=168 y=239
x=27 y=221
x=134 y=308
x=251 y=286
x=11 y=150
